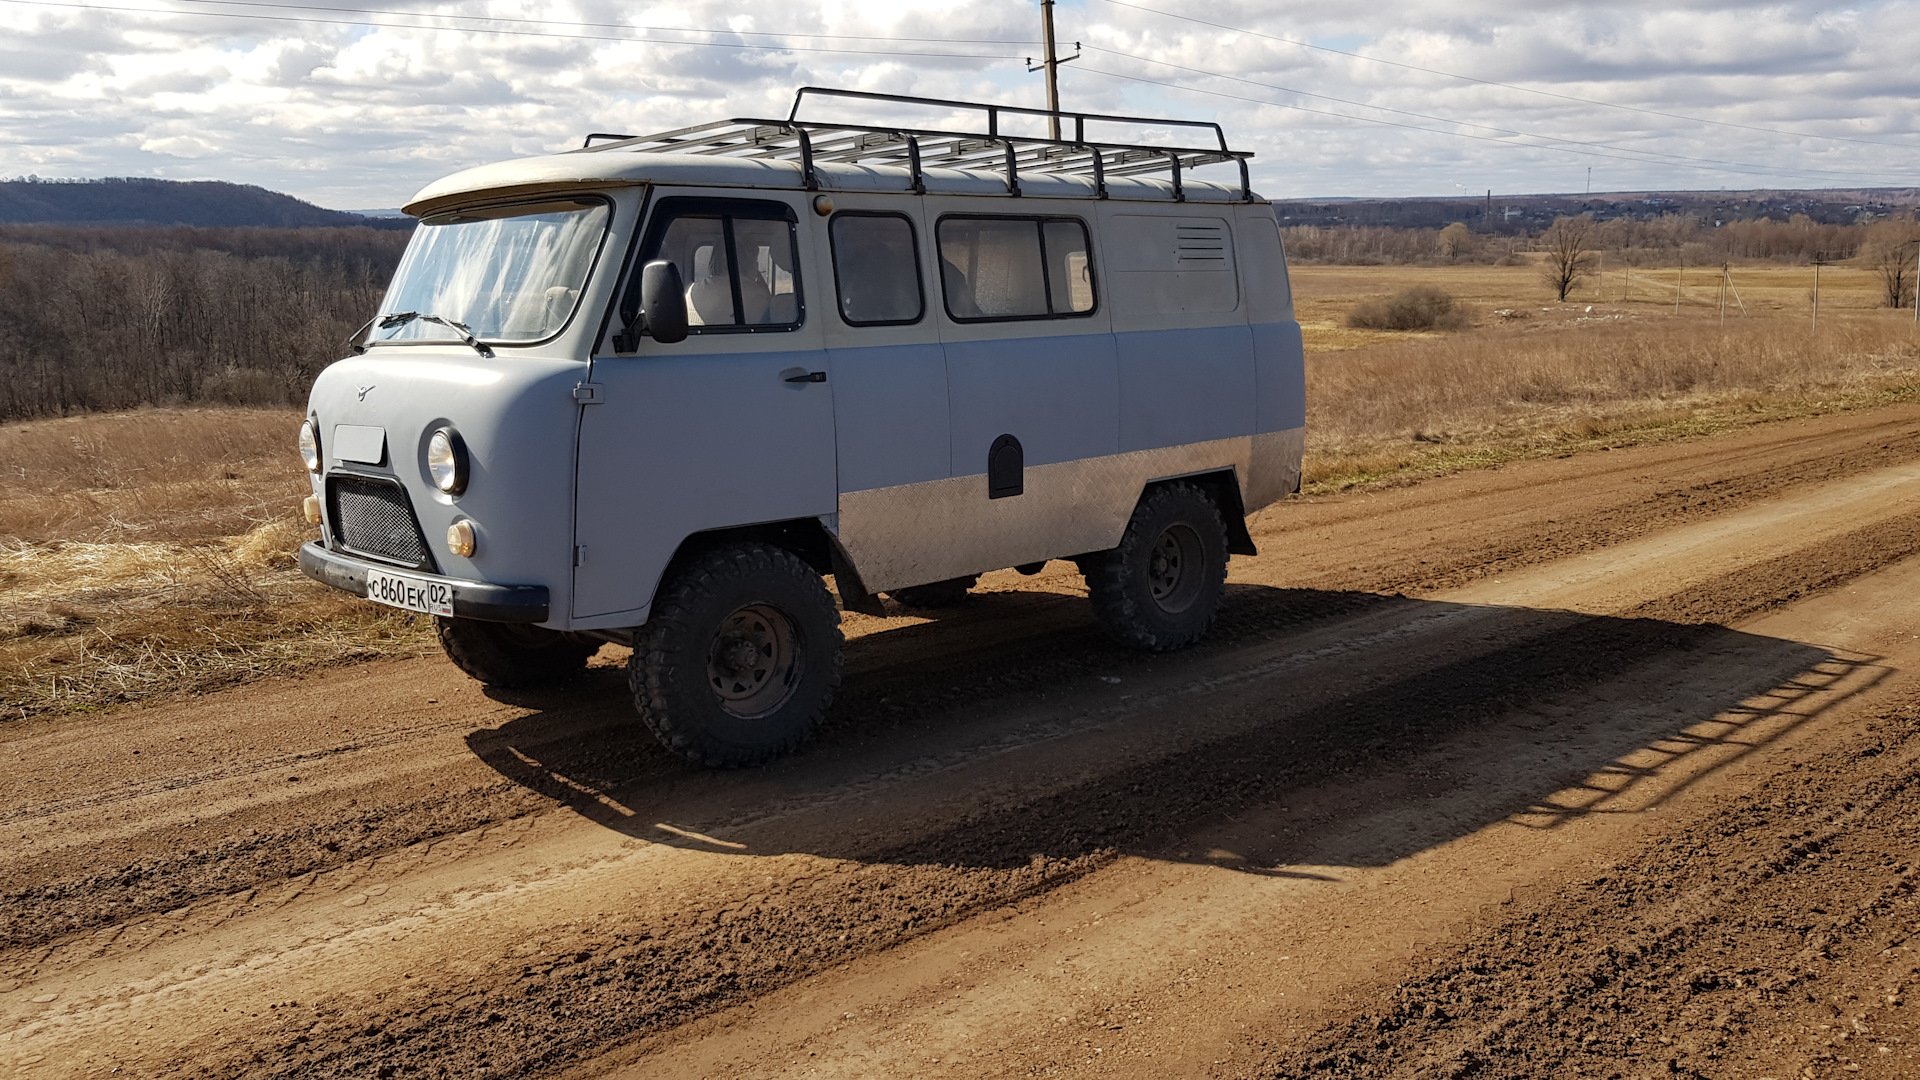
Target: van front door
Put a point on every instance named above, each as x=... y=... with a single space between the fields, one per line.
x=733 y=426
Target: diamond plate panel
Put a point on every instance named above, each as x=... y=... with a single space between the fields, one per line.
x=916 y=533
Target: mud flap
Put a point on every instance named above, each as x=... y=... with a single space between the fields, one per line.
x=853 y=592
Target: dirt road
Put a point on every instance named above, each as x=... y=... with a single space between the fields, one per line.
x=1600 y=767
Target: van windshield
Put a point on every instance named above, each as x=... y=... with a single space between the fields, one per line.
x=508 y=273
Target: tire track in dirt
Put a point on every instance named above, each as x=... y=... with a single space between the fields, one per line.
x=626 y=981
x=1725 y=933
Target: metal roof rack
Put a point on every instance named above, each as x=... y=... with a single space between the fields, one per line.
x=917 y=149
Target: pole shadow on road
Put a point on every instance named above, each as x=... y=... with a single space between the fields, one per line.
x=1022 y=751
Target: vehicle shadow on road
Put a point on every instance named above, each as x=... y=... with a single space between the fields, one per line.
x=992 y=753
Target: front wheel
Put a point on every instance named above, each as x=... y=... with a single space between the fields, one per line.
x=509 y=655
x=740 y=658
x=1160 y=588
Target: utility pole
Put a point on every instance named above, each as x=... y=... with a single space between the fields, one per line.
x=1818 y=262
x=1051 y=65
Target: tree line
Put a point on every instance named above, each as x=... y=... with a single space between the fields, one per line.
x=1670 y=238
x=109 y=318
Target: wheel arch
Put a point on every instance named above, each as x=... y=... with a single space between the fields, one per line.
x=804 y=537
x=1223 y=487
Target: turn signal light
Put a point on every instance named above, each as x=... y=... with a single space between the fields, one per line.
x=460 y=539
x=311 y=508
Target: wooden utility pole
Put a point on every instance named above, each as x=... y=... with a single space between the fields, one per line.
x=1818 y=262
x=1051 y=65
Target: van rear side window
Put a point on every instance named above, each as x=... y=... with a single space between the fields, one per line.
x=876 y=267
x=995 y=268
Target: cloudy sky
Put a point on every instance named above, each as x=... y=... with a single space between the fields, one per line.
x=358 y=106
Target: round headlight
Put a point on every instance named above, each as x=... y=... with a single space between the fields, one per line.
x=309 y=446
x=447 y=461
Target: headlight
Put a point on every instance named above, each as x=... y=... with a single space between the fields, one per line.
x=309 y=446
x=447 y=461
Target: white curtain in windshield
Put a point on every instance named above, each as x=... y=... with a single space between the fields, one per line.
x=509 y=273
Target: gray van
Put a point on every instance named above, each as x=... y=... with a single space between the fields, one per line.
x=651 y=391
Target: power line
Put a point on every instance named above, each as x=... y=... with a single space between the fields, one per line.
x=517 y=33
x=1647 y=154
x=1415 y=127
x=600 y=25
x=1505 y=86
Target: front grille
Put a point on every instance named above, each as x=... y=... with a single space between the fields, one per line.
x=373 y=517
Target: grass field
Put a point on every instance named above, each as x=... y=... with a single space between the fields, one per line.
x=152 y=552
x=1535 y=376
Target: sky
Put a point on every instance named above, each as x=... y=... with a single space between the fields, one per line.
x=358 y=107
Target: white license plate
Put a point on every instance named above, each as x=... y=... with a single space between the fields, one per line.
x=411 y=593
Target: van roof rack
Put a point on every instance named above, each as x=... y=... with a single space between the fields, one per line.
x=808 y=142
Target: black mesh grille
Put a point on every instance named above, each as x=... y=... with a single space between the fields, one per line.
x=373 y=517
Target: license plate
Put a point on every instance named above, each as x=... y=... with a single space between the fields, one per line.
x=411 y=593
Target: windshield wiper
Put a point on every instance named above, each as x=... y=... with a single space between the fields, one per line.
x=400 y=318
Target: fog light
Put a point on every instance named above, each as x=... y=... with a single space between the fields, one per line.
x=311 y=508
x=460 y=539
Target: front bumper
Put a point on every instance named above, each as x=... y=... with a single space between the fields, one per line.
x=471 y=599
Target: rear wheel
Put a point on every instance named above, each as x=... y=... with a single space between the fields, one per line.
x=512 y=654
x=1160 y=588
x=939 y=594
x=740 y=658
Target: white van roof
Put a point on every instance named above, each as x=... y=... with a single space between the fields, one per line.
x=794 y=154
x=574 y=171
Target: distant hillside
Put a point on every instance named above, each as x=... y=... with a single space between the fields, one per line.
x=140 y=201
x=1512 y=214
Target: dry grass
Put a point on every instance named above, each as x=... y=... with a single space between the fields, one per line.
x=153 y=552
x=1540 y=378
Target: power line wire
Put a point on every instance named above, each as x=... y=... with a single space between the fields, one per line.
x=1433 y=131
x=1647 y=154
x=599 y=25
x=1502 y=85
x=515 y=33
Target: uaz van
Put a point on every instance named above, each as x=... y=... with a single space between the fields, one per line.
x=652 y=390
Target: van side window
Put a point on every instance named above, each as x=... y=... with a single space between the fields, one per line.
x=876 y=268
x=1015 y=267
x=739 y=258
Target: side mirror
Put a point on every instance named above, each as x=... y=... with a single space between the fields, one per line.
x=663 y=301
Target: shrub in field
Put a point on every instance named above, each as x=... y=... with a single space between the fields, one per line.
x=1422 y=307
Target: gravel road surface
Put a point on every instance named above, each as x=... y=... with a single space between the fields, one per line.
x=1604 y=766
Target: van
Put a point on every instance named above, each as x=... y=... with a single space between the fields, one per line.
x=653 y=391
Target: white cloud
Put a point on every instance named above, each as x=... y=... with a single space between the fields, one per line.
x=358 y=115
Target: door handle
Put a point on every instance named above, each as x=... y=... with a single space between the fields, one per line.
x=806 y=377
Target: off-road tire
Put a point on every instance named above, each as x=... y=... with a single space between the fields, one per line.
x=1159 y=589
x=511 y=655
x=938 y=594
x=748 y=620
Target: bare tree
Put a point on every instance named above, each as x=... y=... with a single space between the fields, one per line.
x=1568 y=243
x=1889 y=253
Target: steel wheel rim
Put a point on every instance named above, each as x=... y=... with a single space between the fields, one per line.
x=1175 y=568
x=754 y=661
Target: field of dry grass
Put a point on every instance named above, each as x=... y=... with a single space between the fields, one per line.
x=152 y=552
x=1534 y=376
